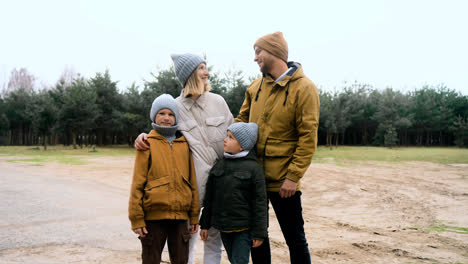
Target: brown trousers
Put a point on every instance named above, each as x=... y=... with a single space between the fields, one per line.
x=177 y=236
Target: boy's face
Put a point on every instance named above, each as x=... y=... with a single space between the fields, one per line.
x=165 y=117
x=231 y=145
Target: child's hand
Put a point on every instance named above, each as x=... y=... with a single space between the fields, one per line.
x=193 y=229
x=141 y=231
x=204 y=234
x=256 y=243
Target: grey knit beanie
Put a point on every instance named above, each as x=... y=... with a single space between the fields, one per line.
x=164 y=101
x=184 y=65
x=245 y=133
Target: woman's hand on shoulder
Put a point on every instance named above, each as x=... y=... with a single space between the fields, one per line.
x=141 y=142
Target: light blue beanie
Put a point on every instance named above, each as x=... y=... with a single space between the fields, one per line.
x=164 y=101
x=184 y=65
x=245 y=133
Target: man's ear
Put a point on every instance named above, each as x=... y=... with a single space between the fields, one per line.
x=241 y=149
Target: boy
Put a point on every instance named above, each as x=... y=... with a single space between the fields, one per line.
x=235 y=201
x=164 y=189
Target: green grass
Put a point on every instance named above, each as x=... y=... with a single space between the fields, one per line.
x=441 y=155
x=442 y=263
x=442 y=226
x=446 y=228
x=60 y=159
x=339 y=156
x=61 y=154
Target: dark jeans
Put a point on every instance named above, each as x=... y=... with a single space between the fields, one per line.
x=177 y=236
x=237 y=246
x=289 y=214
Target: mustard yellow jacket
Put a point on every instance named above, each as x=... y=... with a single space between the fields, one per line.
x=287 y=115
x=164 y=185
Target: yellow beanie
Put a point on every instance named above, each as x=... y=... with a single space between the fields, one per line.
x=275 y=44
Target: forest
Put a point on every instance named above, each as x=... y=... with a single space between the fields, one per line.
x=94 y=112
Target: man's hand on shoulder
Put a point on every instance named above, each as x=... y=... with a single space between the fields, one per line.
x=141 y=142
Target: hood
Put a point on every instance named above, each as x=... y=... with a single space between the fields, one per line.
x=296 y=71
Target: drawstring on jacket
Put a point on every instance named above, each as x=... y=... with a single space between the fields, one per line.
x=260 y=88
x=287 y=93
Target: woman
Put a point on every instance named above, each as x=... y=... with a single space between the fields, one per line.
x=204 y=118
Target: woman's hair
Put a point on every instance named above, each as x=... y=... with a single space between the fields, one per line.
x=194 y=85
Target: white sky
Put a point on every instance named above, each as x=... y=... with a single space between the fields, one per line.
x=400 y=43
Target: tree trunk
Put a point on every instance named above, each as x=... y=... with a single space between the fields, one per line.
x=20 y=134
x=99 y=137
x=45 y=142
x=74 y=139
x=9 y=137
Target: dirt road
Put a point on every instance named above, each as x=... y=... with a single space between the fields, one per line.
x=354 y=213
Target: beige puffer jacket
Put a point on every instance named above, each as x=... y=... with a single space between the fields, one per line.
x=204 y=122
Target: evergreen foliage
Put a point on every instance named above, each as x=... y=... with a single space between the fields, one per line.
x=94 y=112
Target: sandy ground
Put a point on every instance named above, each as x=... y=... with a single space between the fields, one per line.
x=354 y=213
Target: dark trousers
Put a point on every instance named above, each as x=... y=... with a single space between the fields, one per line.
x=289 y=214
x=177 y=236
x=237 y=246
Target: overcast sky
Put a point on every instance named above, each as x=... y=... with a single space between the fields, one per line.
x=402 y=44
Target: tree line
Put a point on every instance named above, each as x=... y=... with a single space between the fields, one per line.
x=83 y=112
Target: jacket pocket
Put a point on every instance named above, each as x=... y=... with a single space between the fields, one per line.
x=242 y=175
x=278 y=155
x=186 y=193
x=241 y=179
x=187 y=125
x=215 y=129
x=156 y=193
x=280 y=148
x=189 y=131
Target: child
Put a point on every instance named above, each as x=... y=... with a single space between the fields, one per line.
x=164 y=189
x=235 y=201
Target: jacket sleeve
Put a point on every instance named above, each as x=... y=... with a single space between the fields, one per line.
x=205 y=220
x=135 y=204
x=307 y=119
x=259 y=216
x=244 y=112
x=195 y=207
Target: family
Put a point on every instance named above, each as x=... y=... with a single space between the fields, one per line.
x=198 y=157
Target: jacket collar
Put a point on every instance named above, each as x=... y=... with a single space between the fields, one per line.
x=188 y=102
x=156 y=135
x=294 y=73
x=218 y=168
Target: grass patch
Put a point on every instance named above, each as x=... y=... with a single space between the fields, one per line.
x=46 y=159
x=340 y=156
x=446 y=228
x=115 y=151
x=62 y=154
x=446 y=155
x=441 y=263
x=442 y=226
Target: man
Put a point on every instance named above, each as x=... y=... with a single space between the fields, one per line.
x=285 y=105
